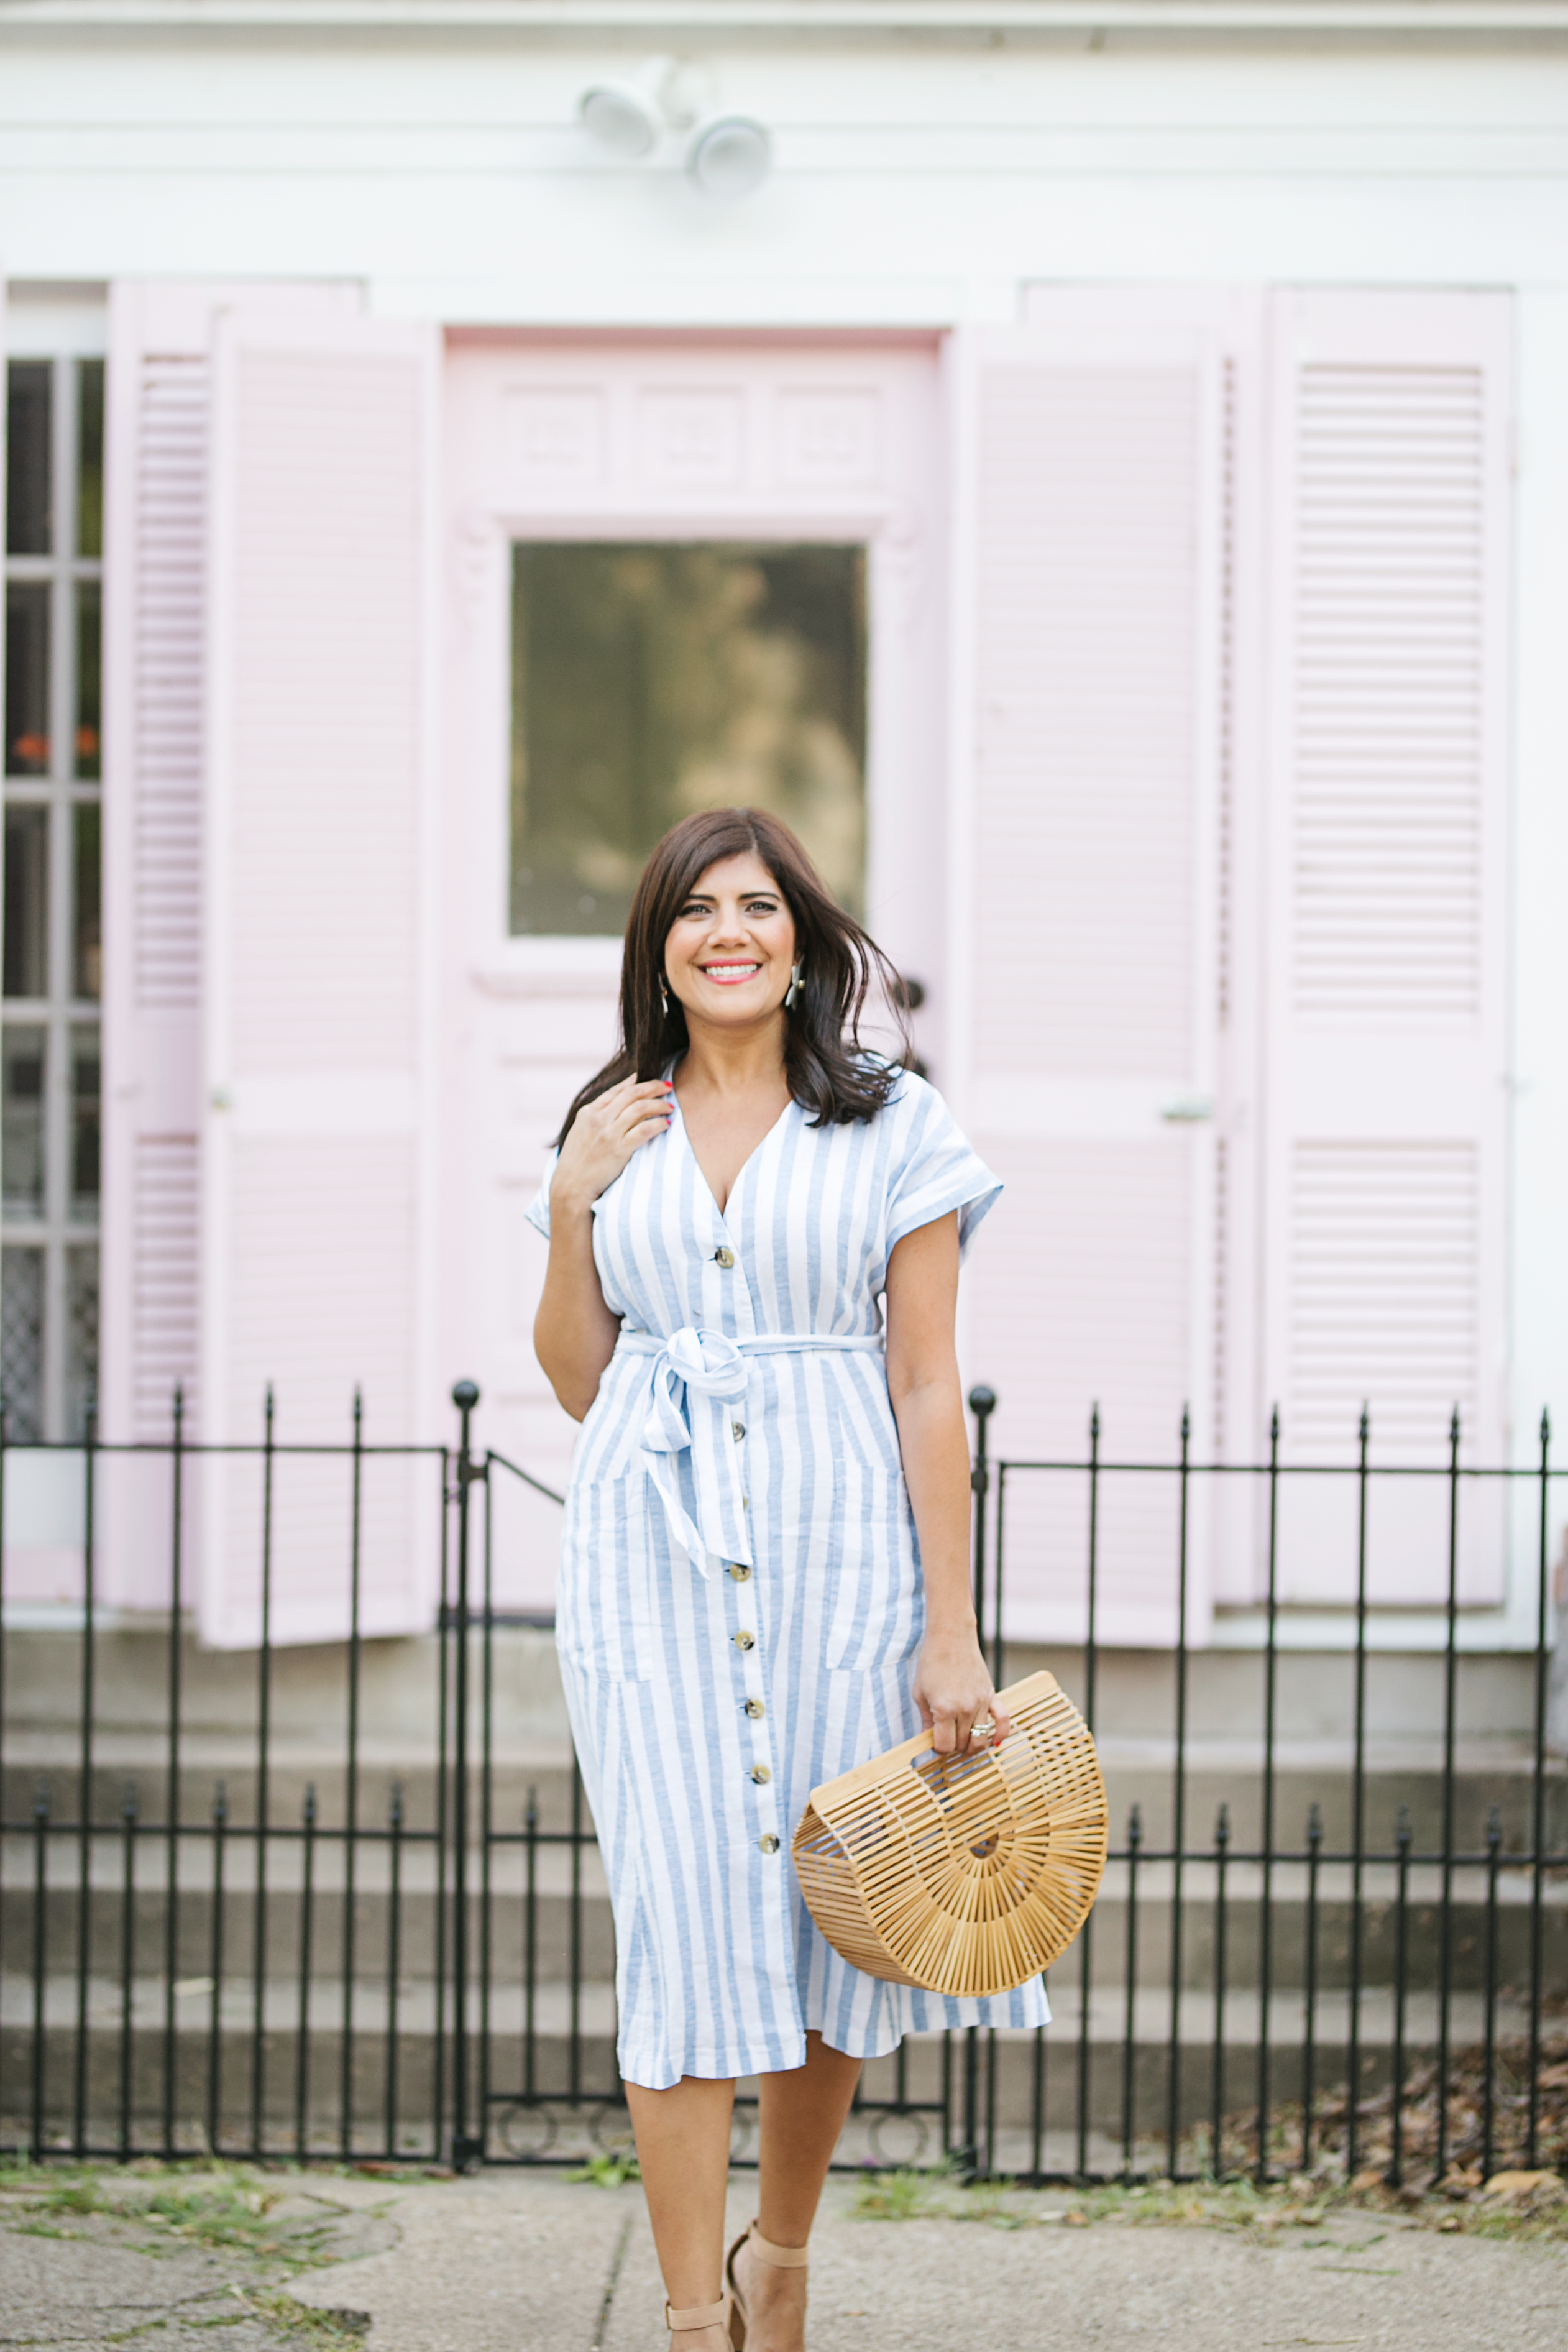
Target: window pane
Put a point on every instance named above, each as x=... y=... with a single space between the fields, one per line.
x=86 y=938
x=27 y=901
x=85 y=1112
x=22 y=1343
x=89 y=644
x=29 y=440
x=82 y=1336
x=90 y=457
x=27 y=678
x=651 y=680
x=22 y=1113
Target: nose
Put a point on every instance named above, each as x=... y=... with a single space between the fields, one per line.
x=730 y=929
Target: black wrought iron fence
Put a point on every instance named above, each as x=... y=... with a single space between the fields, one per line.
x=231 y=1925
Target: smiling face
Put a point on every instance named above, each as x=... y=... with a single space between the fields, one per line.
x=729 y=949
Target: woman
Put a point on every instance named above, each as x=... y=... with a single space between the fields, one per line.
x=765 y=1572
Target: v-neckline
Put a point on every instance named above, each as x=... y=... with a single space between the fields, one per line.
x=721 y=1208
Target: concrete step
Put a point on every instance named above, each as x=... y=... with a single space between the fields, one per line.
x=1404 y=1779
x=1135 y=1689
x=391 y=2080
x=561 y=1916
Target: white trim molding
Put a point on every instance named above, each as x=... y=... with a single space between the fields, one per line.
x=978 y=19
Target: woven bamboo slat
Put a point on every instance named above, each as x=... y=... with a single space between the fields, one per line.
x=966 y=1874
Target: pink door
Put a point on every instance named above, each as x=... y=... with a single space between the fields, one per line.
x=760 y=523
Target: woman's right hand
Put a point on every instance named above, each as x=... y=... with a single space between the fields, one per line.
x=604 y=1135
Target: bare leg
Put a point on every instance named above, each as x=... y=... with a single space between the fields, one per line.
x=803 y=2114
x=683 y=2152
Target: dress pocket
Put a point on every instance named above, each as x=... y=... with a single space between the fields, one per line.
x=604 y=1612
x=874 y=1607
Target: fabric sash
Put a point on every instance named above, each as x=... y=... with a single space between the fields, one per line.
x=694 y=1380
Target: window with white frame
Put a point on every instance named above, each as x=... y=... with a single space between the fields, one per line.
x=51 y=1087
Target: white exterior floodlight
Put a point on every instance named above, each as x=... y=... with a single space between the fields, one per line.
x=729 y=155
x=629 y=113
x=622 y=117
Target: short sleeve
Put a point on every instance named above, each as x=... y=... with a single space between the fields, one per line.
x=936 y=1169
x=537 y=1212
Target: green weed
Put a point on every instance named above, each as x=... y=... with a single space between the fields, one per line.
x=900 y=2196
x=326 y=2328
x=611 y=2170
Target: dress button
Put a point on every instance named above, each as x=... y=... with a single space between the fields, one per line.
x=762 y=1775
x=739 y=1571
x=724 y=1258
x=755 y=1708
x=738 y=1430
x=745 y=1641
x=769 y=1843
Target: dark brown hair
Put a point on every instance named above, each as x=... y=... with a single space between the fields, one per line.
x=828 y=1069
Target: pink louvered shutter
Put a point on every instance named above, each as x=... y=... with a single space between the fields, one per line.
x=318 y=862
x=1092 y=511
x=1387 y=1071
x=155 y=647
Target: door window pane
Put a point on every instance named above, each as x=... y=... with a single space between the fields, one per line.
x=90 y=457
x=86 y=935
x=29 y=450
x=89 y=662
x=651 y=680
x=81 y=1335
x=27 y=901
x=22 y=1343
x=27 y=678
x=22 y=1112
x=87 y=1090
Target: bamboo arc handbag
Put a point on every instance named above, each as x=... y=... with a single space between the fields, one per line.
x=966 y=1874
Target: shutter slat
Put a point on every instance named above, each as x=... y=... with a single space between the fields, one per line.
x=1387 y=1053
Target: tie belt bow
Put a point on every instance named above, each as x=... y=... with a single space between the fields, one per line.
x=695 y=1375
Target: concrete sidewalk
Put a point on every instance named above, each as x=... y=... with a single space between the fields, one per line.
x=529 y=2263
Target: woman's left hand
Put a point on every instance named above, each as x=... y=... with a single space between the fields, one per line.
x=953 y=1690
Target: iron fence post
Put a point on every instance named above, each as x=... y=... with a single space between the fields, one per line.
x=84 y=1800
x=171 y=1802
x=1450 y=1706
x=263 y=1791
x=1090 y=1671
x=1178 y=1807
x=1270 y=1705
x=982 y=1404
x=1357 y=1802
x=1538 y=1799
x=467 y=2149
x=351 y=1785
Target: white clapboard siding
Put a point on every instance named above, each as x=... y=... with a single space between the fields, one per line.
x=317 y=1200
x=1387 y=1046
x=1091 y=542
x=155 y=622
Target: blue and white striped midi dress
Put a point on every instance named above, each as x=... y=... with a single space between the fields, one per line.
x=740 y=1599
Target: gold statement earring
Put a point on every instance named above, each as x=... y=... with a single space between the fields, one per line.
x=793 y=991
